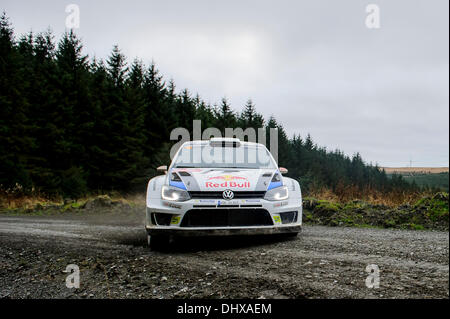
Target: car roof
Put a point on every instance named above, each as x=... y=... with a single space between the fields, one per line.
x=207 y=142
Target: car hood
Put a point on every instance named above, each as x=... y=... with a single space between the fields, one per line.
x=220 y=179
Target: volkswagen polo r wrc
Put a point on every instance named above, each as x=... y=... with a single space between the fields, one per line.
x=222 y=186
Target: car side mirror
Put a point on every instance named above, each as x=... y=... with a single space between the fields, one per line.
x=162 y=169
x=283 y=170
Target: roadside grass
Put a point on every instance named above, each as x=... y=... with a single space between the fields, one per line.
x=370 y=196
x=427 y=211
x=39 y=205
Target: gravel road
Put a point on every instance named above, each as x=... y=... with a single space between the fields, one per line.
x=114 y=262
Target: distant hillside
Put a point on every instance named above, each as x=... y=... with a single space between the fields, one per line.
x=435 y=177
x=424 y=170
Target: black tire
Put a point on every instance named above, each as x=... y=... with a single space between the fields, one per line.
x=158 y=242
x=290 y=235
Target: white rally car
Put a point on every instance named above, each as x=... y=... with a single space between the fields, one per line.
x=221 y=187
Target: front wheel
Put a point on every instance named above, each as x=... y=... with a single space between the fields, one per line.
x=289 y=235
x=157 y=242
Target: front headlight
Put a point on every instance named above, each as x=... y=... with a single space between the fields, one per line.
x=279 y=193
x=174 y=194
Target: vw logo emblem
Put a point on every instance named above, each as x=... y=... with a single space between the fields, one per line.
x=228 y=194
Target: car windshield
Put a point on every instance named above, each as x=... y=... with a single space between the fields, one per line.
x=206 y=156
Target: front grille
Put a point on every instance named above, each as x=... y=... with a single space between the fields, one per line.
x=226 y=217
x=218 y=195
x=161 y=219
x=288 y=217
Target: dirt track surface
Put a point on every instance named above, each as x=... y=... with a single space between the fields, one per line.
x=114 y=262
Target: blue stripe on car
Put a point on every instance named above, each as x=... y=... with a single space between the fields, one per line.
x=177 y=184
x=274 y=185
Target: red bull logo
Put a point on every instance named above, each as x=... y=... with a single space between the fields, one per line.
x=228 y=181
x=228 y=178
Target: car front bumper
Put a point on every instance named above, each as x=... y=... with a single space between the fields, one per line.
x=223 y=231
x=178 y=210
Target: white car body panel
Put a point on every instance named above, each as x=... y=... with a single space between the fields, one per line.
x=201 y=180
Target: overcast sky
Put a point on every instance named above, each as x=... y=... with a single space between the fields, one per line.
x=314 y=65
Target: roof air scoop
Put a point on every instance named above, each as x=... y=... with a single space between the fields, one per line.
x=224 y=142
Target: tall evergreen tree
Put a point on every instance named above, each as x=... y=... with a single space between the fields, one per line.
x=204 y=112
x=159 y=117
x=249 y=117
x=14 y=133
x=225 y=116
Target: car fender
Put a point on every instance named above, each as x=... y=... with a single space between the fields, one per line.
x=295 y=192
x=154 y=188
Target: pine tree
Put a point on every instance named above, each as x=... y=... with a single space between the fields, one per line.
x=99 y=140
x=225 y=117
x=250 y=118
x=124 y=149
x=14 y=133
x=185 y=109
x=117 y=67
x=136 y=130
x=160 y=118
x=284 y=149
x=309 y=144
x=204 y=112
